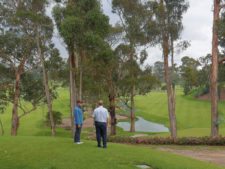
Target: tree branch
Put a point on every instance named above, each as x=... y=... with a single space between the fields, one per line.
x=222 y=60
x=222 y=6
x=25 y=112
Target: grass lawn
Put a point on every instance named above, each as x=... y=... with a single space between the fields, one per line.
x=30 y=151
x=60 y=153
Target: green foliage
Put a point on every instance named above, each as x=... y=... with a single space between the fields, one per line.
x=32 y=89
x=71 y=26
x=163 y=88
x=199 y=91
x=189 y=73
x=81 y=24
x=158 y=70
x=57 y=116
x=147 y=81
x=222 y=30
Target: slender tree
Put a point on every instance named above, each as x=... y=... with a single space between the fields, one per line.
x=168 y=17
x=131 y=14
x=218 y=5
x=81 y=24
x=16 y=48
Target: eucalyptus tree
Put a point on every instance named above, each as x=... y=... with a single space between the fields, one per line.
x=132 y=16
x=16 y=48
x=81 y=23
x=41 y=27
x=106 y=64
x=168 y=17
x=219 y=6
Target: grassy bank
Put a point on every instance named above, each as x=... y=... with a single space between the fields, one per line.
x=193 y=115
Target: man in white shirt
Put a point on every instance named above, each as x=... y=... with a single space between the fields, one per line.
x=101 y=118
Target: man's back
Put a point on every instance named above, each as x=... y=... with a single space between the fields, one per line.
x=101 y=114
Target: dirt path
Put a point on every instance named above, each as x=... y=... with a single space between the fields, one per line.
x=216 y=156
x=88 y=123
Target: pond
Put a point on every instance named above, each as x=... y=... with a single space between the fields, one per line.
x=142 y=125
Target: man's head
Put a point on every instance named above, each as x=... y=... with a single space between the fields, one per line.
x=100 y=102
x=79 y=102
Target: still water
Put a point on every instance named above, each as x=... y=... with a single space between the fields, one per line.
x=142 y=125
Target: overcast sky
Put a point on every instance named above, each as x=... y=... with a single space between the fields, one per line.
x=197 y=23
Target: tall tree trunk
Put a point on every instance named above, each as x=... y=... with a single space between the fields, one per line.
x=173 y=75
x=112 y=110
x=72 y=88
x=112 y=106
x=2 y=128
x=169 y=87
x=46 y=85
x=214 y=72
x=170 y=91
x=132 y=113
x=15 y=118
x=81 y=75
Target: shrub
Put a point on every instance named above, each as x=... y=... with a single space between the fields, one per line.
x=163 y=87
x=199 y=91
x=57 y=118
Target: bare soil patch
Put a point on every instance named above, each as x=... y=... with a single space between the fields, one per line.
x=204 y=154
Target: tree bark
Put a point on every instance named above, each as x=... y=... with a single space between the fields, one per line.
x=15 y=118
x=2 y=128
x=72 y=88
x=132 y=113
x=170 y=91
x=214 y=72
x=173 y=75
x=46 y=85
x=81 y=76
x=112 y=110
x=169 y=87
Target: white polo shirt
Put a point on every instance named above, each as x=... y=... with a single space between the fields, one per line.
x=101 y=114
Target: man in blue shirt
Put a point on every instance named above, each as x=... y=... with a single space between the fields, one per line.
x=78 y=120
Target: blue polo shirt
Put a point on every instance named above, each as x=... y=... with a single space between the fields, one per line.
x=78 y=116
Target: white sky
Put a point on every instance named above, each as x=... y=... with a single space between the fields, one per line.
x=197 y=23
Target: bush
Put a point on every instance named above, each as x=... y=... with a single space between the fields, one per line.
x=163 y=87
x=202 y=90
x=57 y=118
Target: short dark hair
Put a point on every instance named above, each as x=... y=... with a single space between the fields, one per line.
x=79 y=101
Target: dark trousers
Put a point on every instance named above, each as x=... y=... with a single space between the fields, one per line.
x=77 y=133
x=101 y=133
